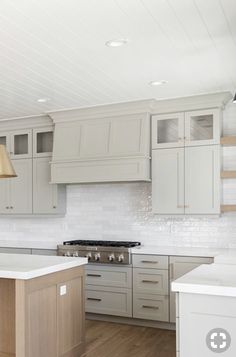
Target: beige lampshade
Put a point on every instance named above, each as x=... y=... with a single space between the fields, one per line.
x=6 y=168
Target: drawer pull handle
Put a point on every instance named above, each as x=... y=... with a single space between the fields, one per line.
x=150 y=307
x=94 y=275
x=149 y=261
x=150 y=281
x=94 y=299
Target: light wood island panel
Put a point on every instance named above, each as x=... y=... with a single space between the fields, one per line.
x=37 y=321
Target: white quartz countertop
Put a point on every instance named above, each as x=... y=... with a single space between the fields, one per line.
x=26 y=266
x=180 y=251
x=209 y=279
x=29 y=244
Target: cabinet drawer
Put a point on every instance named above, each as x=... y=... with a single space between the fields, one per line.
x=151 y=307
x=149 y=281
x=120 y=277
x=108 y=301
x=150 y=261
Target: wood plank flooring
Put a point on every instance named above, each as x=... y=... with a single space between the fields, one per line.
x=106 y=339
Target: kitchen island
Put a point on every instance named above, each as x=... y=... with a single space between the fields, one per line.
x=41 y=306
x=206 y=310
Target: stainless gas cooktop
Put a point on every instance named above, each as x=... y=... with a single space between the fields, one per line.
x=99 y=251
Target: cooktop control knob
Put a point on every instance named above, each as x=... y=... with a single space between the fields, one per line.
x=75 y=254
x=111 y=257
x=97 y=256
x=67 y=254
x=89 y=256
x=120 y=258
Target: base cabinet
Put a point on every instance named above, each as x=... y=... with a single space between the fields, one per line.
x=108 y=301
x=150 y=287
x=108 y=290
x=178 y=267
x=142 y=291
x=198 y=315
x=151 y=307
x=37 y=320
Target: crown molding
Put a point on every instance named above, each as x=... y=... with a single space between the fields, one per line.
x=197 y=102
x=34 y=121
x=102 y=111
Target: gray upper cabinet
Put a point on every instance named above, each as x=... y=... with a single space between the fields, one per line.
x=16 y=193
x=167 y=130
x=43 y=141
x=202 y=180
x=202 y=127
x=4 y=194
x=21 y=187
x=193 y=128
x=30 y=149
x=18 y=143
x=168 y=181
x=186 y=181
x=47 y=198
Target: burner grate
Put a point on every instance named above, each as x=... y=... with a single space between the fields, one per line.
x=103 y=243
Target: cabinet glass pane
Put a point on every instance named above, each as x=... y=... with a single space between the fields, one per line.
x=21 y=144
x=3 y=140
x=201 y=127
x=44 y=142
x=167 y=131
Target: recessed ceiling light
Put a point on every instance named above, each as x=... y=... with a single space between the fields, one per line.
x=158 y=83
x=117 y=42
x=43 y=100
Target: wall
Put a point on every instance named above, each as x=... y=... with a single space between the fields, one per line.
x=123 y=211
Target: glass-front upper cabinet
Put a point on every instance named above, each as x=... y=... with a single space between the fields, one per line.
x=202 y=127
x=18 y=143
x=195 y=128
x=43 y=142
x=4 y=140
x=21 y=144
x=167 y=130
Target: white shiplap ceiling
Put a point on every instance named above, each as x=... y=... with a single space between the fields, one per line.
x=55 y=49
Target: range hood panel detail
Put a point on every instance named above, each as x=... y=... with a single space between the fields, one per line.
x=108 y=147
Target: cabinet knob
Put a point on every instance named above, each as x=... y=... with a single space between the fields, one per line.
x=11 y=207
x=54 y=206
x=7 y=207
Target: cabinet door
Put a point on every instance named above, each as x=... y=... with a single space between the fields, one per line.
x=202 y=127
x=44 y=194
x=178 y=267
x=5 y=140
x=168 y=181
x=202 y=180
x=21 y=188
x=4 y=195
x=168 y=130
x=42 y=142
x=21 y=144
